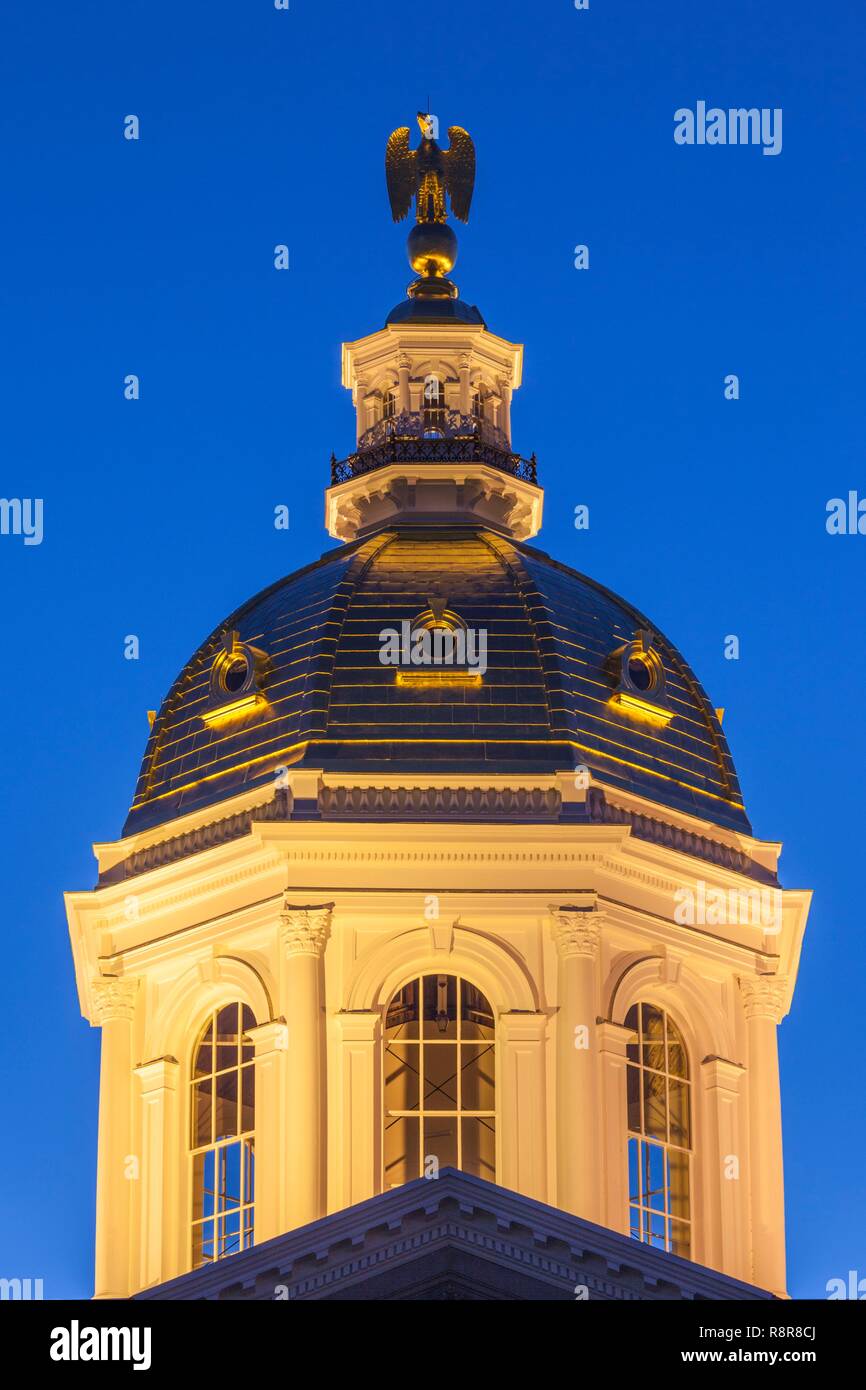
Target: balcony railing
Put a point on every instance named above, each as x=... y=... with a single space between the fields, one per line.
x=436 y=435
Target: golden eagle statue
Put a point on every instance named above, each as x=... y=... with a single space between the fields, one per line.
x=428 y=173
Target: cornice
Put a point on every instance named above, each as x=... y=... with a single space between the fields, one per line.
x=503 y=800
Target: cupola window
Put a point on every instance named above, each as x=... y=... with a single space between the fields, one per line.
x=222 y=1135
x=659 y=1131
x=439 y=1080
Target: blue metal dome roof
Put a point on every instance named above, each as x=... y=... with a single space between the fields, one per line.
x=543 y=706
x=428 y=311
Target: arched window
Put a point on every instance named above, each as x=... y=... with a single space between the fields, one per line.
x=222 y=1125
x=659 y=1131
x=433 y=403
x=389 y=405
x=439 y=1080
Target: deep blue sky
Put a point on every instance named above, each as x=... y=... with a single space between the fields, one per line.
x=156 y=257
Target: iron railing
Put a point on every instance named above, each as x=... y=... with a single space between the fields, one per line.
x=433 y=436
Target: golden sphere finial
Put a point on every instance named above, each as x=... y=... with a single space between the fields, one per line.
x=432 y=249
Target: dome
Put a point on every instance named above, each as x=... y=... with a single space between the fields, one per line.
x=434 y=311
x=544 y=705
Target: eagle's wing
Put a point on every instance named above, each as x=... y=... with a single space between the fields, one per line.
x=459 y=161
x=400 y=172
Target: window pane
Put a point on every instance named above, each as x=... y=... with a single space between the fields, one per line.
x=656 y=1226
x=653 y=1024
x=440 y=1139
x=401 y=1076
x=249 y=1157
x=632 y=1077
x=479 y=1148
x=231 y=1233
x=248 y=1099
x=678 y=1181
x=402 y=1018
x=202 y=1204
x=632 y=1020
x=678 y=1093
x=248 y=1021
x=654 y=1177
x=633 y=1170
x=478 y=1077
x=202 y=1113
x=440 y=1006
x=204 y=1054
x=229 y=1162
x=677 y=1058
x=226 y=1111
x=680 y=1239
x=402 y=1151
x=249 y=1228
x=440 y=1077
x=654 y=1105
x=476 y=1015
x=227 y=1024
x=202 y=1244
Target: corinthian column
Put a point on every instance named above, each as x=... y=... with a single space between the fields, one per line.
x=114 y=1011
x=404 y=363
x=578 y=1183
x=464 y=365
x=764 y=1001
x=304 y=933
x=505 y=392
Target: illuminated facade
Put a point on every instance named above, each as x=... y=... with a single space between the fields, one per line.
x=501 y=912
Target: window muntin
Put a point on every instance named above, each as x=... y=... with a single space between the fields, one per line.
x=439 y=1080
x=659 y=1132
x=389 y=405
x=222 y=1138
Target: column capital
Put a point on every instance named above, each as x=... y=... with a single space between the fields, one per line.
x=464 y=361
x=113 y=998
x=577 y=931
x=304 y=930
x=404 y=361
x=764 y=996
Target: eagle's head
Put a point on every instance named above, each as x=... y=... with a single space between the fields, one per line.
x=429 y=125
